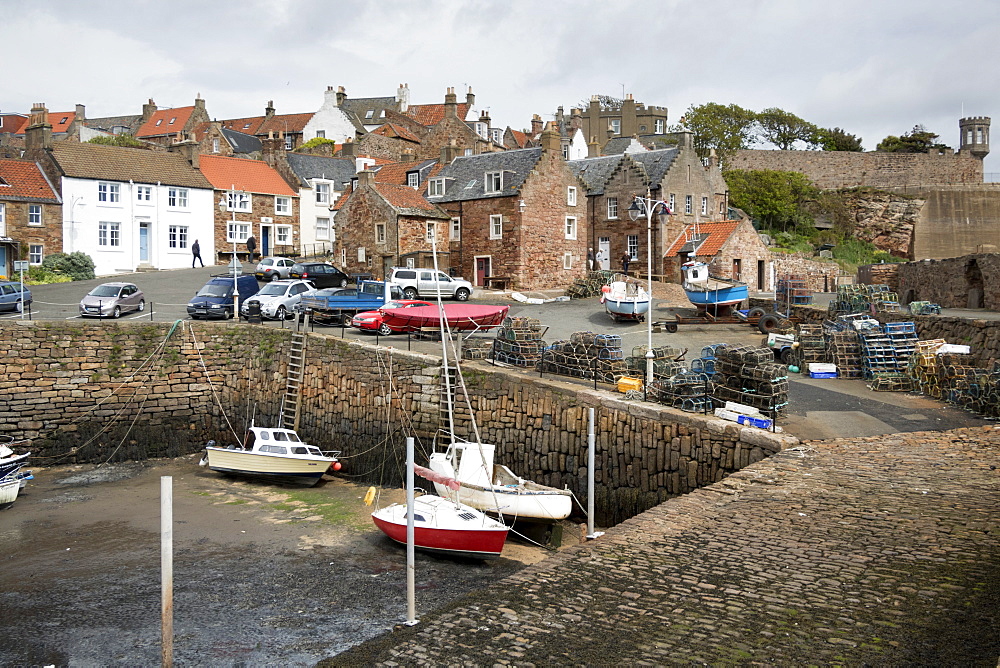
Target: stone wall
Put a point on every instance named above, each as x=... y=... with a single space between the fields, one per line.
x=820 y=274
x=957 y=221
x=886 y=220
x=970 y=281
x=78 y=389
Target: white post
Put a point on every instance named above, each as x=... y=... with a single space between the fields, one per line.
x=591 y=457
x=411 y=569
x=22 y=292
x=167 y=571
x=650 y=208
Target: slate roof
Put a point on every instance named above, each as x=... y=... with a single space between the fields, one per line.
x=616 y=145
x=115 y=163
x=241 y=143
x=254 y=176
x=716 y=235
x=656 y=163
x=464 y=178
x=359 y=107
x=338 y=170
x=595 y=172
x=25 y=181
x=109 y=123
x=165 y=122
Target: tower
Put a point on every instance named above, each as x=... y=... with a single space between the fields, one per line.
x=975 y=135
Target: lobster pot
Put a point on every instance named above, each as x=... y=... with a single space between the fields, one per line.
x=687 y=391
x=610 y=354
x=518 y=353
x=586 y=338
x=705 y=365
x=533 y=324
x=659 y=352
x=713 y=349
x=771 y=371
x=845 y=351
x=765 y=403
x=476 y=349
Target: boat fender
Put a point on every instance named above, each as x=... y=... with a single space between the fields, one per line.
x=369 y=496
x=336 y=466
x=204 y=460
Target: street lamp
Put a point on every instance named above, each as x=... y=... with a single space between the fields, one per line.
x=230 y=200
x=648 y=207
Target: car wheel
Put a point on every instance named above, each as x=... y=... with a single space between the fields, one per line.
x=281 y=313
x=343 y=282
x=410 y=293
x=117 y=312
x=19 y=307
x=384 y=329
x=142 y=305
x=273 y=277
x=229 y=314
x=462 y=294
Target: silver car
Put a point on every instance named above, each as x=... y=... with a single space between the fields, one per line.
x=273 y=268
x=278 y=298
x=111 y=300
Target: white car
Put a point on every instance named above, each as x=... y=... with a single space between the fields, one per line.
x=278 y=298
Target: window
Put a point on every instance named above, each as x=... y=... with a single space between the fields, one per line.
x=143 y=193
x=172 y=119
x=567 y=260
x=571 y=227
x=687 y=203
x=283 y=206
x=322 y=229
x=616 y=126
x=435 y=188
x=722 y=208
x=109 y=234
x=177 y=236
x=456 y=229
x=321 y=134
x=413 y=179
x=215 y=145
x=283 y=234
x=612 y=207
x=34 y=214
x=288 y=143
x=369 y=114
x=673 y=202
x=496 y=227
x=380 y=233
x=177 y=198
x=565 y=151
x=322 y=193
x=493 y=182
x=3 y=219
x=108 y=192
x=158 y=122
x=659 y=126
x=633 y=246
x=571 y=196
x=34 y=254
x=704 y=206
x=237 y=232
x=238 y=201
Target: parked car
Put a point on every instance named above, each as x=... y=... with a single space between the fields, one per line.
x=111 y=300
x=278 y=298
x=371 y=321
x=336 y=306
x=426 y=283
x=11 y=295
x=273 y=268
x=320 y=274
x=215 y=299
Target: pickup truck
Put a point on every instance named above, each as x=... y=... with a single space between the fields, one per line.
x=336 y=306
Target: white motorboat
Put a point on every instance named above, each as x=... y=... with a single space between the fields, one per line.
x=9 y=488
x=273 y=453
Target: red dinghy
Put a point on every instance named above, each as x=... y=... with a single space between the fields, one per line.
x=461 y=317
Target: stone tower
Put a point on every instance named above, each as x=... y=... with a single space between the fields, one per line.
x=975 y=135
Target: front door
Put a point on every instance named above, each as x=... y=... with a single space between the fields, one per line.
x=265 y=240
x=737 y=269
x=144 y=243
x=482 y=270
x=604 y=249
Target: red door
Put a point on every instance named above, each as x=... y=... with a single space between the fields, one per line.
x=482 y=270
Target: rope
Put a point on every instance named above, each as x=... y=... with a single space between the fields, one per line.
x=215 y=394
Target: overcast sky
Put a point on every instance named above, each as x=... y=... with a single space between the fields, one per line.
x=871 y=67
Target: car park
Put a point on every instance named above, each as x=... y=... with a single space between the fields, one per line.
x=14 y=296
x=110 y=300
x=428 y=282
x=320 y=274
x=215 y=298
x=277 y=299
x=371 y=321
x=273 y=268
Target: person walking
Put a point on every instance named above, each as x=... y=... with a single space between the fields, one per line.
x=196 y=253
x=251 y=246
x=590 y=259
x=600 y=258
x=626 y=258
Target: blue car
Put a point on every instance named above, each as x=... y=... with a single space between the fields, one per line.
x=11 y=296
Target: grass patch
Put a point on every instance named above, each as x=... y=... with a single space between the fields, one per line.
x=237 y=502
x=318 y=502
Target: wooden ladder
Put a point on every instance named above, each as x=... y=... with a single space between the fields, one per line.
x=293 y=388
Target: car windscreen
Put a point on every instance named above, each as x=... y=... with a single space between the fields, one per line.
x=272 y=289
x=105 y=291
x=215 y=290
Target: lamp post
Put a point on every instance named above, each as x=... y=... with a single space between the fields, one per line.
x=649 y=207
x=230 y=200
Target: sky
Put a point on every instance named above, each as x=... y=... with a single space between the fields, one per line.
x=872 y=67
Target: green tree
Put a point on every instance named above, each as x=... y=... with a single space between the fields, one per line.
x=784 y=129
x=118 y=140
x=917 y=140
x=727 y=129
x=313 y=143
x=77 y=265
x=774 y=199
x=835 y=139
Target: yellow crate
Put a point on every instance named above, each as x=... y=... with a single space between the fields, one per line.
x=626 y=384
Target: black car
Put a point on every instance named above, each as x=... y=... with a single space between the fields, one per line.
x=320 y=274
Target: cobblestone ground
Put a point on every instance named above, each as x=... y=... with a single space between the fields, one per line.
x=878 y=551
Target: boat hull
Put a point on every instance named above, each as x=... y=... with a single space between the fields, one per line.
x=9 y=490
x=626 y=308
x=460 y=317
x=727 y=296
x=242 y=462
x=483 y=541
x=11 y=465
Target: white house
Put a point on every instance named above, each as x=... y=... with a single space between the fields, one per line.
x=131 y=208
x=321 y=182
x=330 y=121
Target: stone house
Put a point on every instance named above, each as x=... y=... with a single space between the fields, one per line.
x=439 y=125
x=731 y=249
x=332 y=122
x=256 y=201
x=516 y=215
x=215 y=139
x=383 y=225
x=30 y=215
x=290 y=128
x=602 y=122
x=163 y=126
x=320 y=181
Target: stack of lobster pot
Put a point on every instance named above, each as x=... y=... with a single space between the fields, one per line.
x=519 y=342
x=749 y=375
x=666 y=362
x=586 y=355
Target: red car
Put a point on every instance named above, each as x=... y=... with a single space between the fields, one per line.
x=372 y=320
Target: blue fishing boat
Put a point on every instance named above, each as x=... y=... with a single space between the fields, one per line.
x=711 y=293
x=625 y=300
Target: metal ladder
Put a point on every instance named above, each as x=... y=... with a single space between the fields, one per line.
x=443 y=402
x=293 y=389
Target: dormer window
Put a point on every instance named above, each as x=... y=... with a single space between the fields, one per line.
x=435 y=188
x=493 y=182
x=62 y=121
x=382 y=114
x=413 y=179
x=369 y=114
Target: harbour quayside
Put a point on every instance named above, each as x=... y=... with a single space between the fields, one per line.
x=272 y=453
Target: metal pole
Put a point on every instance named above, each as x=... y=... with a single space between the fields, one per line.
x=22 y=285
x=650 y=207
x=411 y=569
x=591 y=457
x=167 y=571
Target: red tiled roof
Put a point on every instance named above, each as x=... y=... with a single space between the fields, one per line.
x=520 y=138
x=342 y=200
x=245 y=125
x=13 y=123
x=393 y=130
x=431 y=114
x=394 y=172
x=282 y=123
x=20 y=179
x=164 y=122
x=718 y=234
x=61 y=120
x=254 y=176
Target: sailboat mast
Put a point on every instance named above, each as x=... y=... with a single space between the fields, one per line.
x=443 y=324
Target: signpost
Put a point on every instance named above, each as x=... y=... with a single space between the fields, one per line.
x=21 y=266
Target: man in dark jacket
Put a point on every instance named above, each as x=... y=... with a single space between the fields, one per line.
x=626 y=259
x=251 y=246
x=196 y=252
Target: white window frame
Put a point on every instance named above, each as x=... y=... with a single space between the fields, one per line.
x=238 y=201
x=456 y=229
x=35 y=215
x=704 y=206
x=431 y=231
x=109 y=193
x=413 y=179
x=177 y=236
x=688 y=203
x=492 y=182
x=616 y=126
x=496 y=226
x=288 y=143
x=435 y=188
x=321 y=134
x=177 y=198
x=215 y=144
x=673 y=203
x=322 y=229
x=567 y=260
x=36 y=253
x=659 y=126
x=283 y=235
x=144 y=193
x=380 y=233
x=322 y=193
x=571 y=196
x=633 y=246
x=3 y=219
x=613 y=208
x=109 y=234
x=282 y=205
x=571 y=228
x=237 y=232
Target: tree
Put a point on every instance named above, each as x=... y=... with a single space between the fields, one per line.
x=606 y=101
x=727 y=129
x=118 y=140
x=917 y=140
x=835 y=139
x=783 y=129
x=771 y=197
x=77 y=265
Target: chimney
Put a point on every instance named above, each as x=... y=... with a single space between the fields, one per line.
x=403 y=98
x=484 y=117
x=450 y=103
x=348 y=150
x=341 y=96
x=366 y=178
x=713 y=159
x=406 y=156
x=271 y=147
x=269 y=109
x=536 y=125
x=449 y=152
x=470 y=98
x=575 y=119
x=199 y=104
x=550 y=139
x=188 y=148
x=81 y=112
x=148 y=110
x=38 y=134
x=593 y=148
